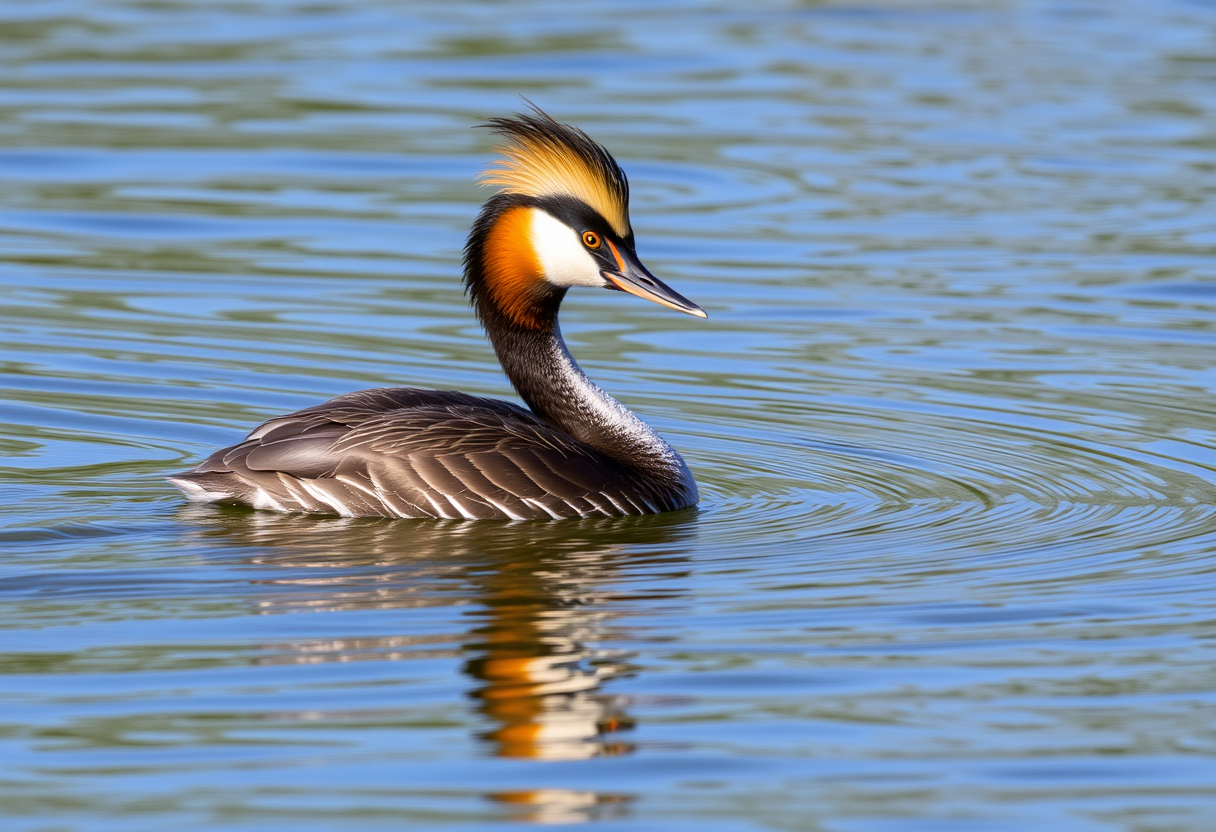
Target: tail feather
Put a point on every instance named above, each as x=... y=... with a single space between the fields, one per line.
x=212 y=486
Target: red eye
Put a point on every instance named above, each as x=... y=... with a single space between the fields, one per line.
x=591 y=239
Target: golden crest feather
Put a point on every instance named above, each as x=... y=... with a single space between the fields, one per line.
x=543 y=157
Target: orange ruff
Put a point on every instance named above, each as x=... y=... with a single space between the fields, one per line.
x=512 y=268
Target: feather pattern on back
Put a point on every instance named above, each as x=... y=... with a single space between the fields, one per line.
x=402 y=452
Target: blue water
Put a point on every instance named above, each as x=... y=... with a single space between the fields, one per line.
x=951 y=416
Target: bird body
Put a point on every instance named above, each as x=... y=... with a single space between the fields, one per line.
x=560 y=220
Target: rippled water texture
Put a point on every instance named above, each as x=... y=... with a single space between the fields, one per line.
x=953 y=416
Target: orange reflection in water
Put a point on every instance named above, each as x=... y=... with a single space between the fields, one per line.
x=539 y=670
x=543 y=594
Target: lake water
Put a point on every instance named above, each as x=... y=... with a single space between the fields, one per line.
x=953 y=417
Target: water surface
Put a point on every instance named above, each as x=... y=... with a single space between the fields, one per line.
x=952 y=416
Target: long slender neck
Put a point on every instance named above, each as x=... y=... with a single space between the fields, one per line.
x=546 y=377
x=518 y=309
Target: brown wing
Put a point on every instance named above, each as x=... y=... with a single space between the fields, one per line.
x=401 y=452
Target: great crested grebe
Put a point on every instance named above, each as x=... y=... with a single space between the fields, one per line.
x=560 y=219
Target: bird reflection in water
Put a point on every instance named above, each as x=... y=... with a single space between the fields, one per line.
x=544 y=593
x=539 y=674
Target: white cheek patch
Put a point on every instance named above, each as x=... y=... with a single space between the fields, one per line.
x=564 y=260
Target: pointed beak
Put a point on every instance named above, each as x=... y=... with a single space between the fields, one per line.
x=632 y=277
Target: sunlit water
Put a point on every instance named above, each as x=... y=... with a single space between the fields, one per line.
x=953 y=417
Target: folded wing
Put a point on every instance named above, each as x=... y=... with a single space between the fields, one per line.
x=401 y=452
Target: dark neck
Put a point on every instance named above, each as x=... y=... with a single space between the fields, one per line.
x=557 y=390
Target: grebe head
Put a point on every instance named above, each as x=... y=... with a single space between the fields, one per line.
x=560 y=219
